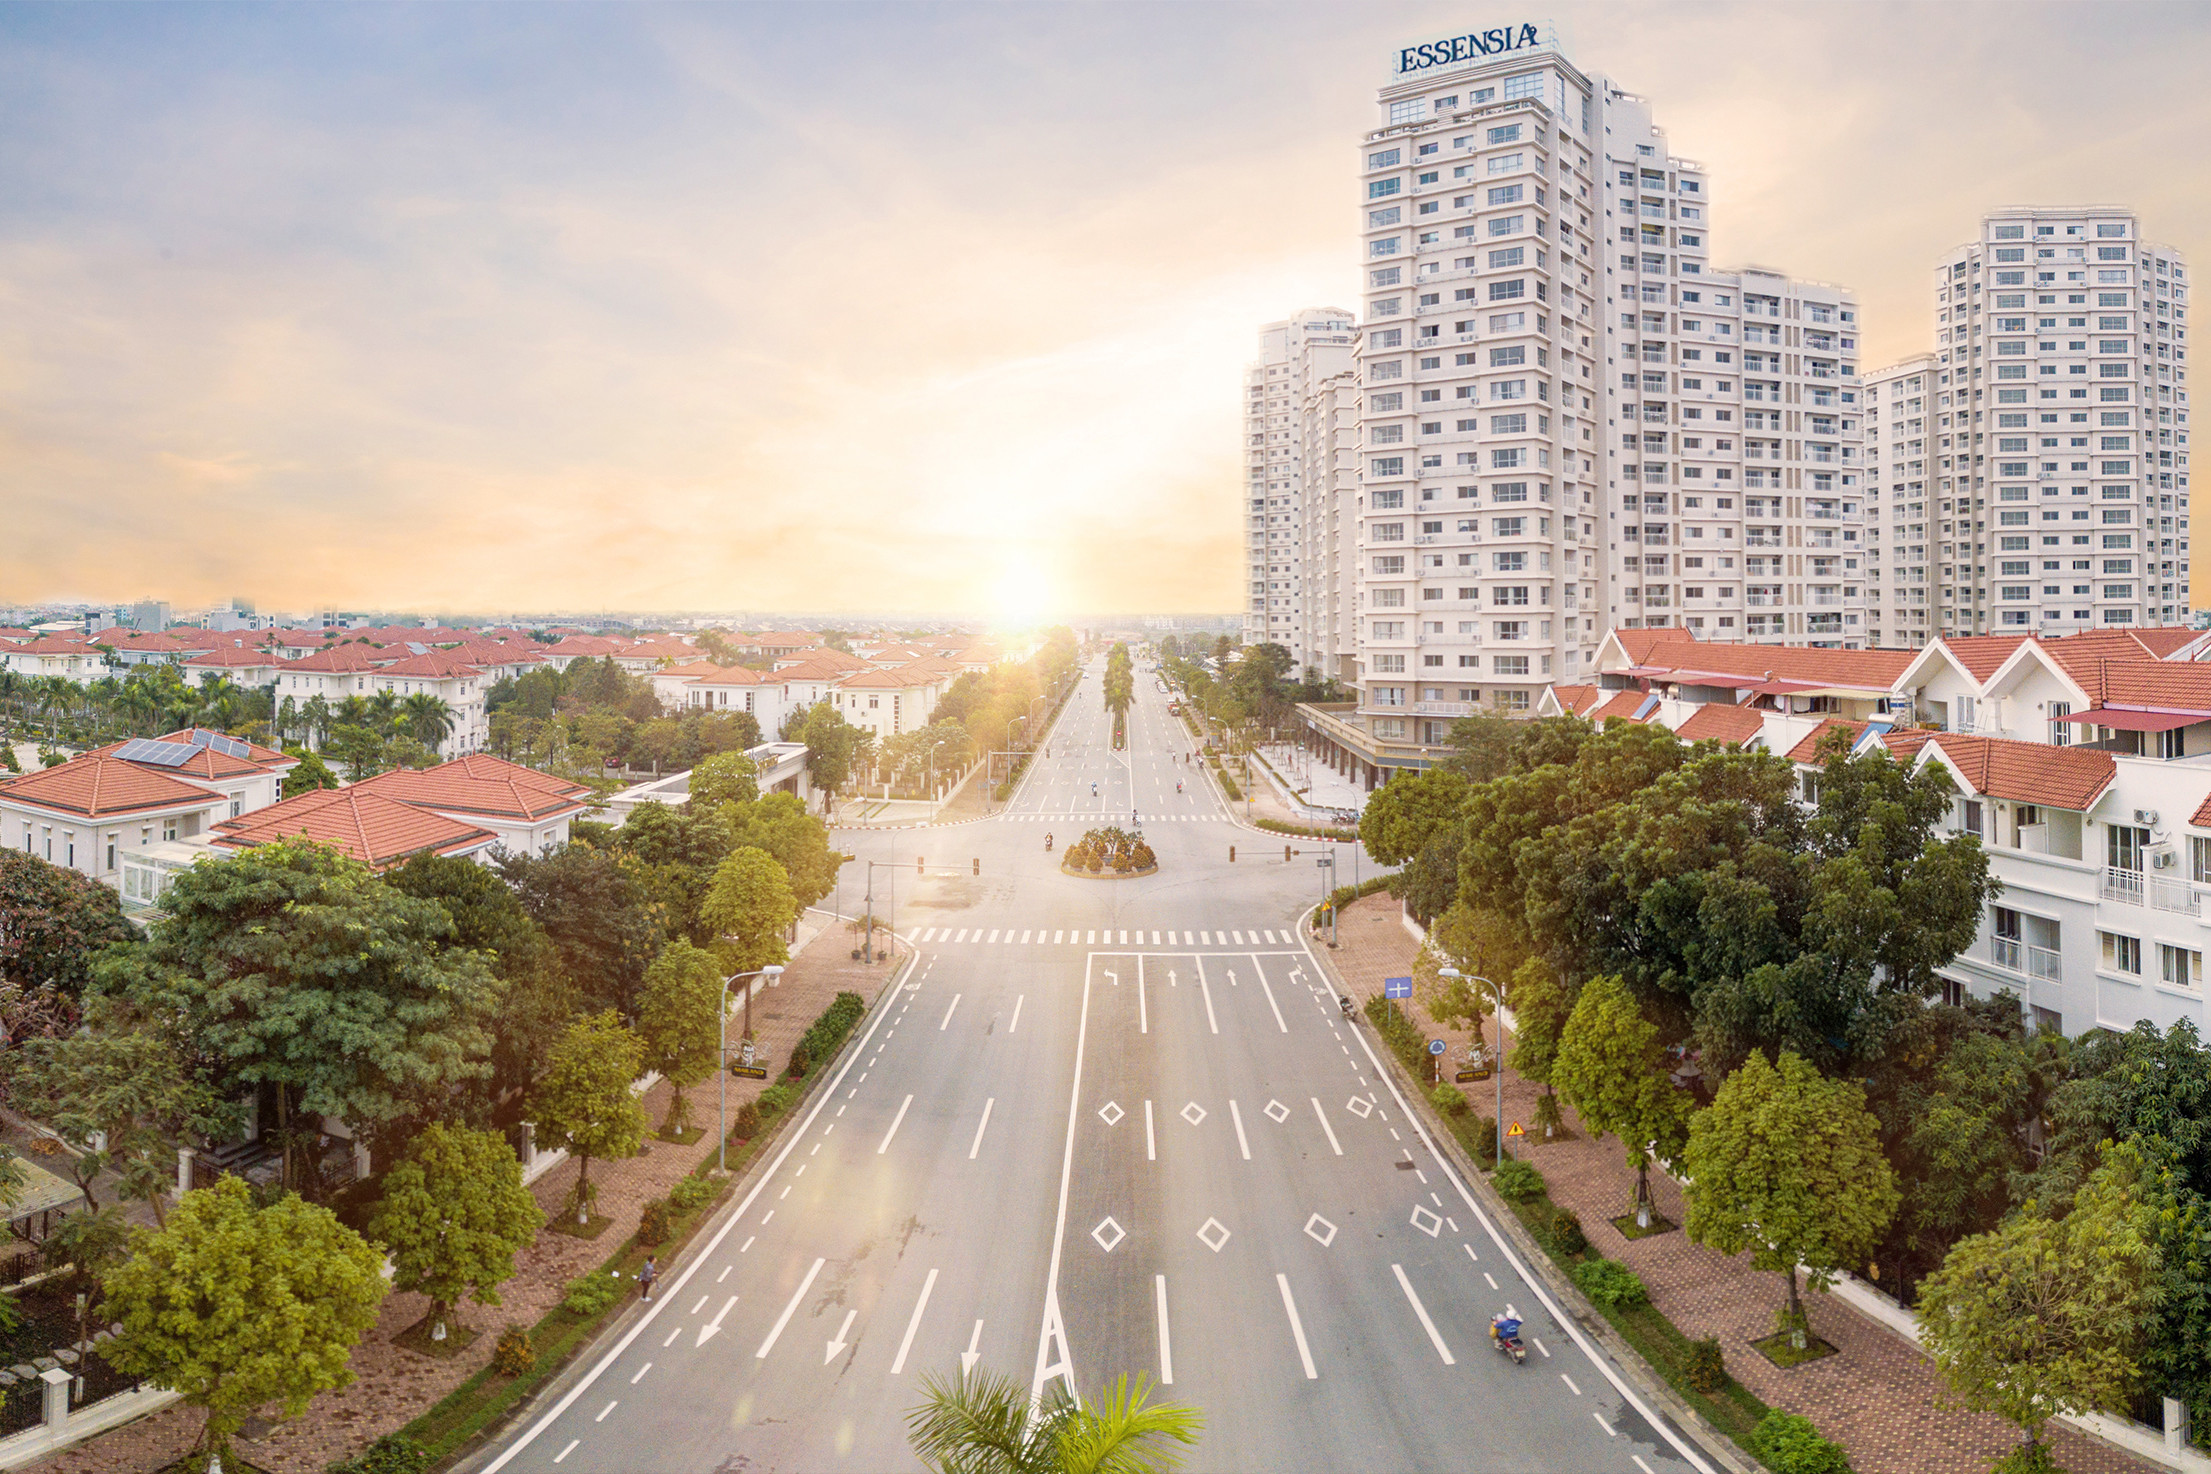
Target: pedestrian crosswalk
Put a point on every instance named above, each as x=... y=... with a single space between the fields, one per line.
x=1110 y=816
x=1019 y=936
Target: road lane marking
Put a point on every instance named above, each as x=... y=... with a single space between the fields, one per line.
x=701 y=1305
x=1435 y=1338
x=1207 y=989
x=605 y=1410
x=1491 y=1278
x=1538 y=1344
x=1151 y=1143
x=948 y=1012
x=1569 y=1381
x=1143 y=1013
x=994 y=934
x=1609 y=1429
x=1018 y=999
x=962 y=936
x=1297 y=1328
x=671 y=1338
x=788 y=1310
x=1470 y=1253
x=914 y=1324
x=1166 y=1347
x=1255 y=967
x=1647 y=1469
x=1324 y=1124
x=886 y=1142
x=979 y=1125
x=648 y=1366
x=564 y=1453
x=1053 y=1329
x=1238 y=1117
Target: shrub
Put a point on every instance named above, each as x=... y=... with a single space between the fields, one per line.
x=690 y=1193
x=1611 y=1284
x=390 y=1454
x=776 y=1099
x=1566 y=1232
x=1706 y=1369
x=799 y=1061
x=748 y=1122
x=2025 y=1458
x=1788 y=1444
x=515 y=1354
x=1517 y=1180
x=588 y=1295
x=1449 y=1099
x=827 y=1033
x=654 y=1222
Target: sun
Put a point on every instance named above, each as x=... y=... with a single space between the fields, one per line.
x=1023 y=595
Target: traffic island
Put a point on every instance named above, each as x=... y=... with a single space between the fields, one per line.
x=1109 y=854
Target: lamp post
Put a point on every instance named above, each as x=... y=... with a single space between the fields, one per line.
x=721 y=1109
x=1496 y=1065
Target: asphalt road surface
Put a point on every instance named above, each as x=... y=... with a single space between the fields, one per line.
x=1104 y=1127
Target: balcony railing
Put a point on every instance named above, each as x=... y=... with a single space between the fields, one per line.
x=2122 y=885
x=2006 y=952
x=2042 y=963
x=2175 y=895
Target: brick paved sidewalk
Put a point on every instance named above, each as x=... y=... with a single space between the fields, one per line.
x=1876 y=1397
x=393 y=1386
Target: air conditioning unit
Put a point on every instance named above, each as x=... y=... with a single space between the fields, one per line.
x=2145 y=817
x=2163 y=859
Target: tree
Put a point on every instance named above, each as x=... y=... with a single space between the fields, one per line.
x=677 y=850
x=599 y=913
x=583 y=1101
x=236 y=1306
x=1404 y=814
x=679 y=1018
x=779 y=824
x=126 y=1086
x=53 y=922
x=454 y=1215
x=748 y=908
x=293 y=966
x=2044 y=1315
x=1788 y=1164
x=986 y=1424
x=1612 y=1069
x=836 y=751
x=726 y=777
x=311 y=775
x=1540 y=1007
x=426 y=718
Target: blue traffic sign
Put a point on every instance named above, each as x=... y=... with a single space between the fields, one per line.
x=1397 y=987
x=1435 y=1046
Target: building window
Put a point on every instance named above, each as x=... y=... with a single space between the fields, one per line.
x=2121 y=954
x=2180 y=967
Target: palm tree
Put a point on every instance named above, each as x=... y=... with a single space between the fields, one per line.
x=987 y=1425
x=384 y=710
x=55 y=693
x=315 y=716
x=426 y=718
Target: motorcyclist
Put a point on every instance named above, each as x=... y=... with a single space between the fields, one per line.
x=1093 y=790
x=1178 y=788
x=1504 y=1330
x=1047 y=839
x=1344 y=1003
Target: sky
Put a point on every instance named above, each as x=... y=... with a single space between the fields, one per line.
x=906 y=308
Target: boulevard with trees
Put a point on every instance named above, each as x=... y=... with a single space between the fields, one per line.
x=1742 y=985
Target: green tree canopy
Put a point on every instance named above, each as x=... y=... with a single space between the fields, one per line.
x=235 y=1306
x=1788 y=1164
x=837 y=752
x=453 y=1216
x=598 y=911
x=1611 y=1068
x=1405 y=813
x=779 y=824
x=583 y=1101
x=748 y=909
x=679 y=1019
x=293 y=966
x=2045 y=1315
x=312 y=774
x=724 y=778
x=54 y=922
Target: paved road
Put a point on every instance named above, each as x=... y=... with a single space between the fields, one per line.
x=1103 y=1127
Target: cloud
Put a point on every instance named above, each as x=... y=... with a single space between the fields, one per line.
x=840 y=306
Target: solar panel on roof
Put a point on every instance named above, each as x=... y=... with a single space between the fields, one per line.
x=160 y=754
x=228 y=746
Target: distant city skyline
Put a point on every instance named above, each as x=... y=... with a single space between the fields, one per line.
x=944 y=308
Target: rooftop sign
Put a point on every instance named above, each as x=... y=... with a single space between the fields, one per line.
x=1472 y=46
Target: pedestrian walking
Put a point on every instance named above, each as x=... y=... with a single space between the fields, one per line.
x=645 y=1278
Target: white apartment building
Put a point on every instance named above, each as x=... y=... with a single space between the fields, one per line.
x=1295 y=356
x=1570 y=421
x=2060 y=427
x=1329 y=536
x=1899 y=405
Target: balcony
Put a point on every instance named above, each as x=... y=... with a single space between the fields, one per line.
x=2175 y=896
x=2121 y=885
x=1444 y=708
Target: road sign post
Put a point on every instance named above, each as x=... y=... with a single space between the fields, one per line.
x=1394 y=988
x=1435 y=1056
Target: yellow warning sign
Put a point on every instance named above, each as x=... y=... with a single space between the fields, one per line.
x=1514 y=1130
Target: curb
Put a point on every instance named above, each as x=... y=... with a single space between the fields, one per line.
x=1716 y=1445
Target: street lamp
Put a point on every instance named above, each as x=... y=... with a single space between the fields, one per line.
x=721 y=1110
x=1497 y=1065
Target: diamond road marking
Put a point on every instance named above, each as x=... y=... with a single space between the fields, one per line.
x=1314 y=1226
x=1358 y=1107
x=1277 y=1112
x=1207 y=1232
x=1111 y=1113
x=1193 y=1113
x=1432 y=1225
x=1108 y=1234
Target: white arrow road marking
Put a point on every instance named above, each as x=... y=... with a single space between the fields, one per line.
x=838 y=1343
x=969 y=1357
x=1434 y=1338
x=785 y=1318
x=713 y=1327
x=915 y=1324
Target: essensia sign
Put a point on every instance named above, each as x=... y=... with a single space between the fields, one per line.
x=1495 y=41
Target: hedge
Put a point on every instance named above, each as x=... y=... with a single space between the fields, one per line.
x=1344 y=895
x=821 y=1041
x=1306 y=831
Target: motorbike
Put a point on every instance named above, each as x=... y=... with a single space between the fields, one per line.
x=1047 y=844
x=1345 y=1004
x=1504 y=1334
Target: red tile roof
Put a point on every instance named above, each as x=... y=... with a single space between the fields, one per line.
x=2028 y=772
x=230 y=659
x=1982 y=654
x=433 y=666
x=1639 y=643
x=1739 y=665
x=1735 y=725
x=483 y=784
x=823 y=655
x=719 y=675
x=375 y=829
x=99 y=785
x=1577 y=699
x=1623 y=705
x=339 y=660
x=1807 y=748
